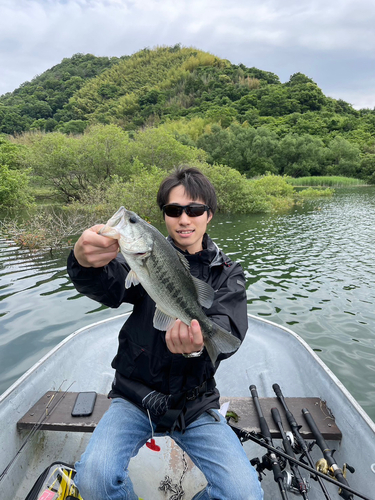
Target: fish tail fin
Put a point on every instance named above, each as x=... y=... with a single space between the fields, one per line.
x=221 y=341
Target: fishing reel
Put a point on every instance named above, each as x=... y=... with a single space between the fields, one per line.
x=323 y=467
x=266 y=463
x=291 y=483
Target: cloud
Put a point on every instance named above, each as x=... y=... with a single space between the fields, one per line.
x=281 y=36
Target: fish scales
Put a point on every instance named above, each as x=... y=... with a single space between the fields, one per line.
x=173 y=279
x=162 y=272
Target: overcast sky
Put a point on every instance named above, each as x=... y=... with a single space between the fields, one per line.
x=330 y=41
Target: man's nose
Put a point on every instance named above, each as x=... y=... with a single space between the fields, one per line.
x=184 y=218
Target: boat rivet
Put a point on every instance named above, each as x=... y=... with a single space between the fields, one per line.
x=329 y=425
x=31 y=414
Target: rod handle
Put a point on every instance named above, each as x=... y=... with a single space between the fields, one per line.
x=253 y=391
x=277 y=390
x=314 y=429
x=276 y=416
x=327 y=452
x=264 y=429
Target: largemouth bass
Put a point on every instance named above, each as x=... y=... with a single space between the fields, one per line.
x=164 y=274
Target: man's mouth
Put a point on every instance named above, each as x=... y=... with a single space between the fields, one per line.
x=187 y=231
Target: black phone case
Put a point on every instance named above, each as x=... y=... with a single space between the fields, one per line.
x=84 y=404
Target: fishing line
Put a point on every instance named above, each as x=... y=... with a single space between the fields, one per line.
x=46 y=413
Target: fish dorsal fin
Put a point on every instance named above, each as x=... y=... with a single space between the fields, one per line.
x=163 y=321
x=131 y=279
x=205 y=292
x=183 y=260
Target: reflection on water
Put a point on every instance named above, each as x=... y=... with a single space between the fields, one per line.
x=311 y=270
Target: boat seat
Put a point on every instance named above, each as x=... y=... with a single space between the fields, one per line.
x=53 y=413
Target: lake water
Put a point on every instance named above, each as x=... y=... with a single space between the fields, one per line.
x=311 y=269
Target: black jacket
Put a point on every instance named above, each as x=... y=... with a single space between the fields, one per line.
x=143 y=362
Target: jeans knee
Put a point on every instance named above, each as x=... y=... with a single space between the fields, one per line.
x=241 y=486
x=96 y=482
x=88 y=480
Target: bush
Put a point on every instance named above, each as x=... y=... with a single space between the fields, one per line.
x=275 y=185
x=316 y=193
x=138 y=194
x=235 y=194
x=45 y=229
x=14 y=188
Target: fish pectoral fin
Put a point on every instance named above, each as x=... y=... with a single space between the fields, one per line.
x=205 y=292
x=131 y=279
x=163 y=321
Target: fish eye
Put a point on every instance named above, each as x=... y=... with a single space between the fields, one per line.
x=132 y=219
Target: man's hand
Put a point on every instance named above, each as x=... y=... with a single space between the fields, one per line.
x=93 y=249
x=183 y=339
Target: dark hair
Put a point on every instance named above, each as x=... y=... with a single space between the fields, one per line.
x=196 y=185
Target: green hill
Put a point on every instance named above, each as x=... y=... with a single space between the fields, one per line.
x=163 y=84
x=242 y=117
x=36 y=104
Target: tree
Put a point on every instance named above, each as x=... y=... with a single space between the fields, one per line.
x=368 y=168
x=299 y=79
x=277 y=101
x=11 y=154
x=300 y=156
x=343 y=158
x=53 y=157
x=158 y=147
x=14 y=188
x=103 y=151
x=246 y=149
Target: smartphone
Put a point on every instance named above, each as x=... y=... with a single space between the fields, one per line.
x=84 y=404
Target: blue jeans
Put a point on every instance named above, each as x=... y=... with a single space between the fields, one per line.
x=102 y=472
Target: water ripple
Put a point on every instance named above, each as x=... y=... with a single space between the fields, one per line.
x=311 y=270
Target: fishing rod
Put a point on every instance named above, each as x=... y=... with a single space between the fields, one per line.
x=328 y=455
x=273 y=462
x=298 y=481
x=244 y=435
x=48 y=410
x=298 y=436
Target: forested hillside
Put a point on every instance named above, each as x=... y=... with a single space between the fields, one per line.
x=241 y=117
x=37 y=104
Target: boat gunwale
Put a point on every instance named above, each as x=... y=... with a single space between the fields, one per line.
x=52 y=351
x=328 y=371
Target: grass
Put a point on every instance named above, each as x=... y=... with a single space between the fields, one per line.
x=311 y=193
x=325 y=181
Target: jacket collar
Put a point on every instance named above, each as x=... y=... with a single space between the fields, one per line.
x=210 y=255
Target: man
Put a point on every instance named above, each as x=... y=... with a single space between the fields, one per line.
x=165 y=379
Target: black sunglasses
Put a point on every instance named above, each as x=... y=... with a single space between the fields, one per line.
x=190 y=210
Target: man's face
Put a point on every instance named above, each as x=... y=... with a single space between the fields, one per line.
x=187 y=232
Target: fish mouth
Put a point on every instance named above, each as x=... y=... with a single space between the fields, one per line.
x=136 y=254
x=130 y=250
